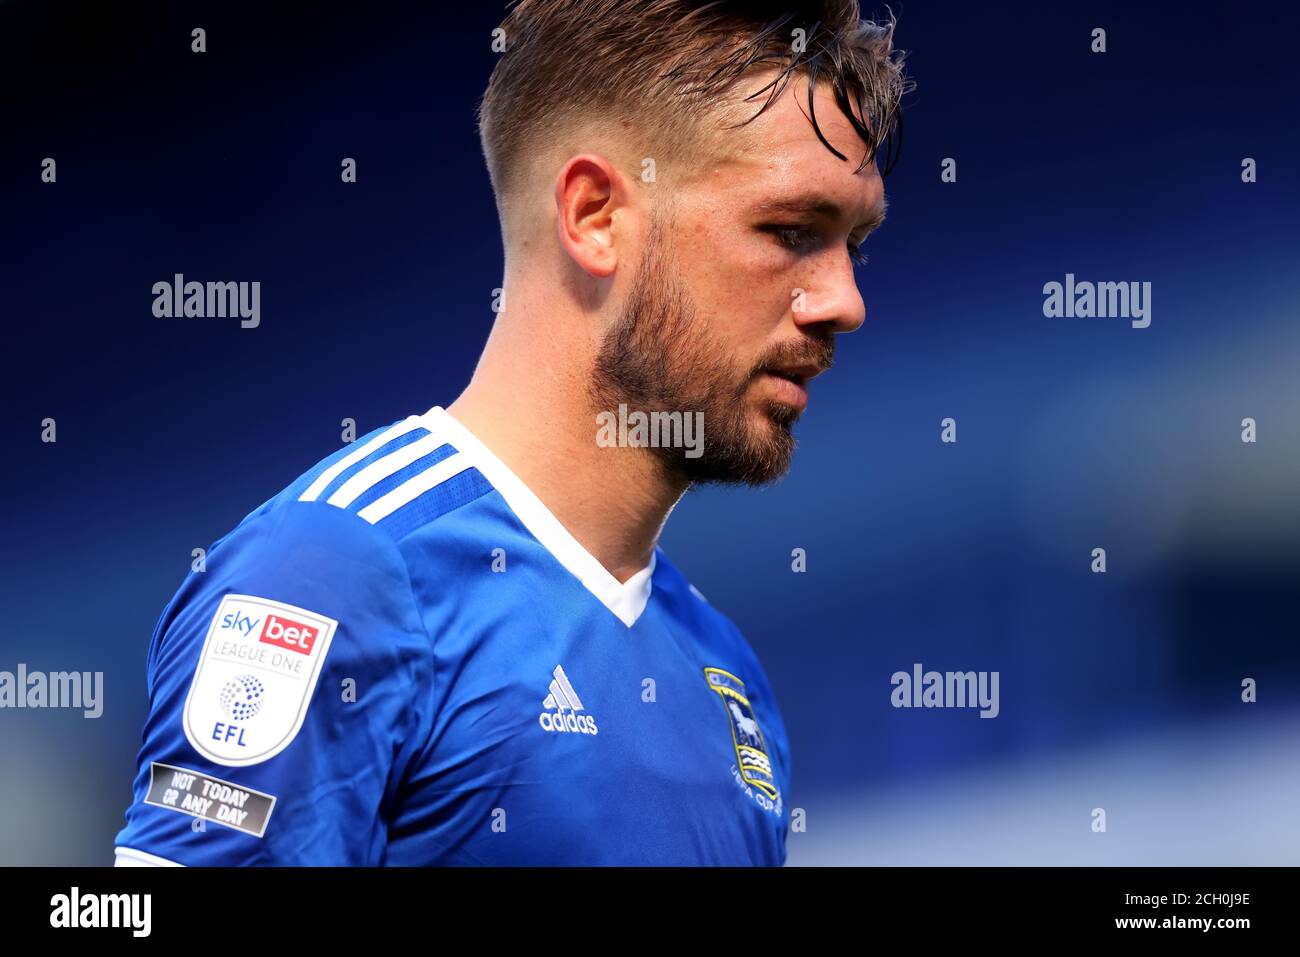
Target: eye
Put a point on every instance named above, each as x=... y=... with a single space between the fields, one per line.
x=788 y=236
x=797 y=237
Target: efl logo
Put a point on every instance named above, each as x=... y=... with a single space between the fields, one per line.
x=286 y=633
x=288 y=646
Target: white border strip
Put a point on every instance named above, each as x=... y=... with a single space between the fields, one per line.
x=414 y=487
x=130 y=857
x=356 y=455
x=376 y=472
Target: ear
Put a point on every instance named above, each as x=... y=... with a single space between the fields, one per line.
x=590 y=195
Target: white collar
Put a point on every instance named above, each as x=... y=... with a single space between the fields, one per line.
x=627 y=600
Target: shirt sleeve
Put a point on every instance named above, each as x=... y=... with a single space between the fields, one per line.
x=289 y=684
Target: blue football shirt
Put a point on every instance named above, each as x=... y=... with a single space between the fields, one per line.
x=405 y=659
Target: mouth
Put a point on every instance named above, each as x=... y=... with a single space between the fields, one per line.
x=788 y=380
x=790 y=388
x=800 y=375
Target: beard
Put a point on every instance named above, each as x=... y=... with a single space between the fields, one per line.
x=659 y=356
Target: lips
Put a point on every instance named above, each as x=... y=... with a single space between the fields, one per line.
x=800 y=374
x=789 y=389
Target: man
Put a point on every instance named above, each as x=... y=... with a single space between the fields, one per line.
x=456 y=641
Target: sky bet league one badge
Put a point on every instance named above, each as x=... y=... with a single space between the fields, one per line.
x=254 y=679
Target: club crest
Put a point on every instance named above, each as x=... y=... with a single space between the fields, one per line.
x=746 y=735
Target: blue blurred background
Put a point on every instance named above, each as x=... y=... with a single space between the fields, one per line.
x=1120 y=691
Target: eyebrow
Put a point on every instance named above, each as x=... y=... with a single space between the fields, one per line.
x=824 y=206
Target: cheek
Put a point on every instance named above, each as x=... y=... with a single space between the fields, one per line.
x=743 y=289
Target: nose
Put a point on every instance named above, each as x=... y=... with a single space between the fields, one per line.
x=832 y=297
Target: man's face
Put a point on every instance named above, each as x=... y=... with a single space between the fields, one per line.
x=741 y=288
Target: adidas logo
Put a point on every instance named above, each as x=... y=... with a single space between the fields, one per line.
x=562 y=705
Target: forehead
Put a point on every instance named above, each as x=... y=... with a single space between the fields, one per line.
x=778 y=153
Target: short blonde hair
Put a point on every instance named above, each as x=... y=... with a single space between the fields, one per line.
x=660 y=66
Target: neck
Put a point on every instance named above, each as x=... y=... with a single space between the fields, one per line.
x=614 y=501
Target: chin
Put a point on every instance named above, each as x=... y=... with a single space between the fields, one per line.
x=775 y=414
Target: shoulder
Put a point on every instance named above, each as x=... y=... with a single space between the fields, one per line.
x=332 y=542
x=396 y=479
x=717 y=634
x=364 y=500
x=690 y=602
